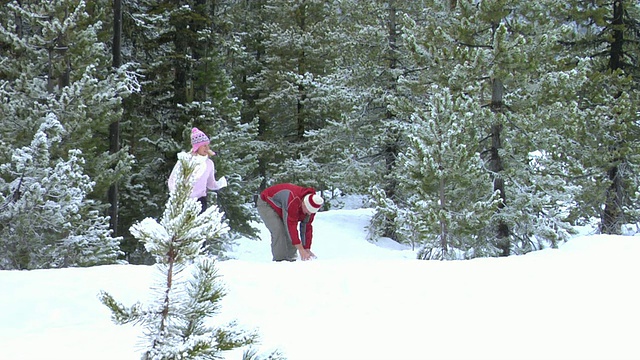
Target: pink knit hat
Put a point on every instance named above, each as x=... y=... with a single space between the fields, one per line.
x=198 y=138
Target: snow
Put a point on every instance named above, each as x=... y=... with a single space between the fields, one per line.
x=358 y=300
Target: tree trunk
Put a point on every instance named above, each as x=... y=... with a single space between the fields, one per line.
x=164 y=319
x=200 y=52
x=300 y=117
x=181 y=64
x=114 y=127
x=615 y=53
x=444 y=232
x=252 y=111
x=495 y=166
x=613 y=213
x=391 y=147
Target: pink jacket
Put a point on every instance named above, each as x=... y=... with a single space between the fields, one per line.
x=203 y=176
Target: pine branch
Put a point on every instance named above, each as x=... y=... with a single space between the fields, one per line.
x=120 y=314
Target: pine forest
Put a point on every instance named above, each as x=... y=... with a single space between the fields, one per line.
x=474 y=128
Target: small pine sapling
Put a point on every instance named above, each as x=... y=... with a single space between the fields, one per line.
x=187 y=295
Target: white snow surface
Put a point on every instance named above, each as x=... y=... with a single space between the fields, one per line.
x=358 y=300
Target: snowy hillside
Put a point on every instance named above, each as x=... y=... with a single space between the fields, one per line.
x=358 y=300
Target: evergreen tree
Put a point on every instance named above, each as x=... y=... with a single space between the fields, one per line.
x=495 y=52
x=175 y=323
x=180 y=50
x=289 y=81
x=248 y=17
x=368 y=136
x=450 y=202
x=602 y=161
x=55 y=63
x=47 y=220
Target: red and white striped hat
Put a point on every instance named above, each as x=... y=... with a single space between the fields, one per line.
x=313 y=202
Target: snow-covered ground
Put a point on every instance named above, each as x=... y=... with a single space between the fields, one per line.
x=358 y=300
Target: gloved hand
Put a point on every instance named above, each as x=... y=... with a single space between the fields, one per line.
x=222 y=182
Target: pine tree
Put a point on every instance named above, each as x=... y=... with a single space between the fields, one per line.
x=289 y=82
x=600 y=62
x=186 y=83
x=175 y=323
x=450 y=202
x=495 y=53
x=55 y=63
x=248 y=17
x=54 y=60
x=150 y=126
x=47 y=220
x=365 y=140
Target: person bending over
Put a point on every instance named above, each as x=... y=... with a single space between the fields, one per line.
x=288 y=211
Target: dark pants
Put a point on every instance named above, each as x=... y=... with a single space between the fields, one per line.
x=203 y=201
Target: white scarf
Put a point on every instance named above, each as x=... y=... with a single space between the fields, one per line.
x=200 y=166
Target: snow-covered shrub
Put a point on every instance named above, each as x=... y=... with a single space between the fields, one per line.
x=46 y=220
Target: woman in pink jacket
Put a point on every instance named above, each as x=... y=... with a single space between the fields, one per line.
x=203 y=176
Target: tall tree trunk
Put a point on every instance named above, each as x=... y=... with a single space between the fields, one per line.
x=615 y=52
x=200 y=52
x=300 y=118
x=613 y=213
x=391 y=147
x=181 y=66
x=496 y=167
x=249 y=95
x=114 y=127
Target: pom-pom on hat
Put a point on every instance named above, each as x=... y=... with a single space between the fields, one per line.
x=198 y=138
x=313 y=202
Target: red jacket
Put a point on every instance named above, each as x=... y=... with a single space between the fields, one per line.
x=286 y=200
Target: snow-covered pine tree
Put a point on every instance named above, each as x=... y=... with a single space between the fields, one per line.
x=380 y=129
x=53 y=61
x=297 y=47
x=601 y=71
x=46 y=220
x=365 y=139
x=215 y=109
x=449 y=200
x=496 y=52
x=177 y=322
x=270 y=102
x=186 y=83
